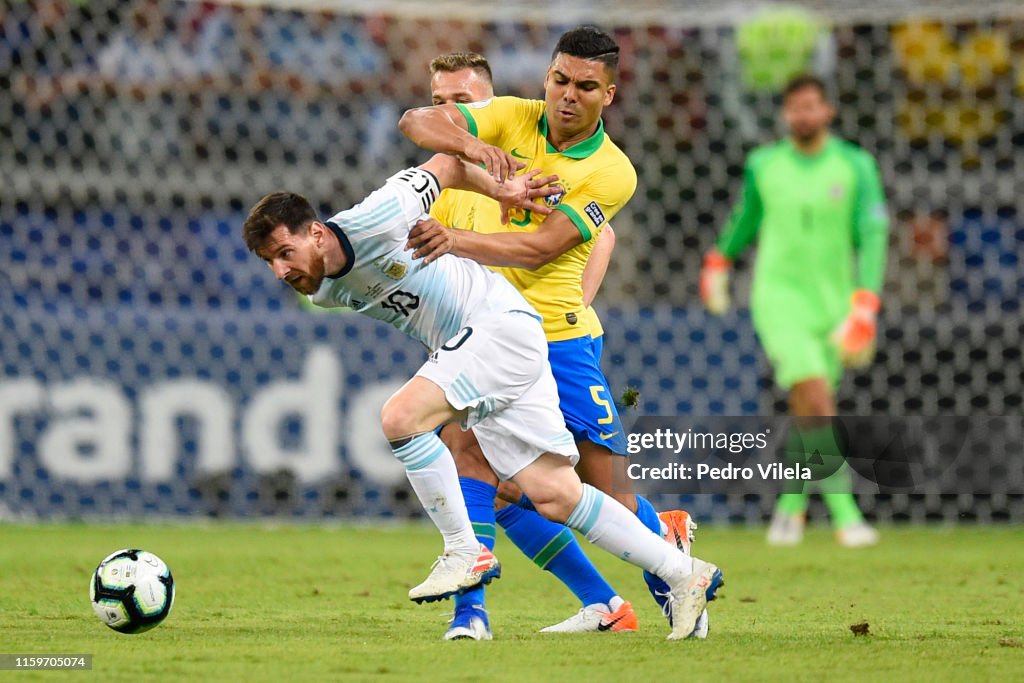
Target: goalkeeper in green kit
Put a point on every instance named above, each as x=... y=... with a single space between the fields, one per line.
x=815 y=206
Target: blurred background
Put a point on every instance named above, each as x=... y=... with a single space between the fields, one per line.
x=150 y=367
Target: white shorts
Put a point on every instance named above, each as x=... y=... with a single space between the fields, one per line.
x=497 y=368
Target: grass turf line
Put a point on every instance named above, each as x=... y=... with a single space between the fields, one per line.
x=329 y=603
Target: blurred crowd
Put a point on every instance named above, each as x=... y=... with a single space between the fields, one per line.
x=163 y=74
x=203 y=68
x=120 y=92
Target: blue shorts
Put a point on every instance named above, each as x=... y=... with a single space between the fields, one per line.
x=584 y=397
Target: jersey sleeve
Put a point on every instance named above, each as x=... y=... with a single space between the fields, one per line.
x=870 y=225
x=497 y=121
x=597 y=200
x=417 y=189
x=392 y=210
x=745 y=218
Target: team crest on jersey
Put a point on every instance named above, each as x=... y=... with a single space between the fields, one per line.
x=555 y=199
x=396 y=270
x=393 y=268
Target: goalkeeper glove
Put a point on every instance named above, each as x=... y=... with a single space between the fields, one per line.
x=855 y=336
x=714 y=282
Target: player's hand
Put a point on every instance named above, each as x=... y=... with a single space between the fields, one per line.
x=431 y=239
x=499 y=163
x=521 y=191
x=714 y=282
x=855 y=336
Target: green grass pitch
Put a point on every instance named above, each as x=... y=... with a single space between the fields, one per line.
x=258 y=602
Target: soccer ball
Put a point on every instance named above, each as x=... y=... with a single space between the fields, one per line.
x=132 y=591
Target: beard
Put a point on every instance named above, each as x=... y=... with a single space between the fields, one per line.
x=309 y=282
x=807 y=135
x=305 y=285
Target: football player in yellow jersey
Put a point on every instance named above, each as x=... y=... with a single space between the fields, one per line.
x=463 y=78
x=466 y=78
x=545 y=256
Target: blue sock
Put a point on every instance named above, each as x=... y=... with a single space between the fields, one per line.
x=554 y=548
x=479 y=497
x=526 y=504
x=646 y=514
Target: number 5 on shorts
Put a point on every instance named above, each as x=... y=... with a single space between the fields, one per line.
x=595 y=393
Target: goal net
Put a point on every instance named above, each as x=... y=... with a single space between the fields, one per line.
x=150 y=366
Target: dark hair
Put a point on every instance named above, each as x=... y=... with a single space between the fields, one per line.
x=805 y=81
x=279 y=208
x=457 y=61
x=589 y=42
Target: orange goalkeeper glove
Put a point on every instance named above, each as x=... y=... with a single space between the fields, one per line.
x=714 y=282
x=855 y=336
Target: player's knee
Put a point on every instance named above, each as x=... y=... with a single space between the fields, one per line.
x=812 y=397
x=396 y=420
x=812 y=405
x=556 y=509
x=555 y=500
x=508 y=492
x=821 y=405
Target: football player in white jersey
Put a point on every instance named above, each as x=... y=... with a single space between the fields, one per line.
x=488 y=370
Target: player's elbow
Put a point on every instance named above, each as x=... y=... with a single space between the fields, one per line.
x=410 y=122
x=447 y=169
x=534 y=263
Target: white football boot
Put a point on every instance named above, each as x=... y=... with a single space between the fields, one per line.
x=597 y=619
x=678 y=526
x=857 y=535
x=786 y=529
x=452 y=574
x=689 y=596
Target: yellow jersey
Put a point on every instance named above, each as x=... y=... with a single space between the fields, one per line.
x=596 y=178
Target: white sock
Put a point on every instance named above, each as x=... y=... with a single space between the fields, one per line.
x=610 y=526
x=431 y=471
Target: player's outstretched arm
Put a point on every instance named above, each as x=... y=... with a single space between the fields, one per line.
x=597 y=264
x=855 y=337
x=738 y=233
x=870 y=226
x=518 y=192
x=443 y=128
x=530 y=250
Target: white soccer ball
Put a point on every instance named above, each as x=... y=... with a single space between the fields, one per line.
x=132 y=591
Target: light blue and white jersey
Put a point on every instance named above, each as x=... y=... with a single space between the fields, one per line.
x=430 y=303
